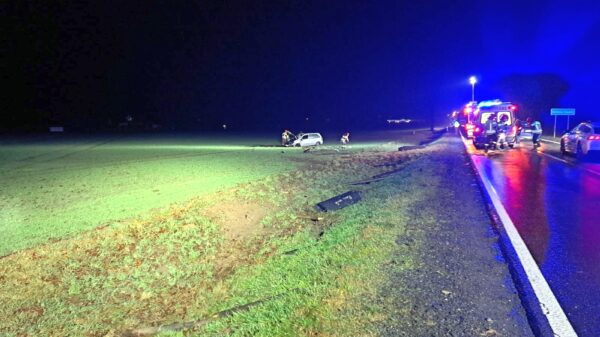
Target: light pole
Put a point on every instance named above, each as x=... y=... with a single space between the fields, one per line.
x=472 y=80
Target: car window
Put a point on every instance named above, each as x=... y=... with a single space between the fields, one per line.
x=505 y=113
x=575 y=129
x=305 y=137
x=585 y=128
x=485 y=116
x=588 y=129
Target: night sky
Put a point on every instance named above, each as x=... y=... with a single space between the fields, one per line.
x=271 y=65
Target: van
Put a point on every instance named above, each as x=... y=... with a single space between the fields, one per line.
x=502 y=110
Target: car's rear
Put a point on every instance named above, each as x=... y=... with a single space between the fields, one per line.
x=479 y=135
x=591 y=142
x=315 y=139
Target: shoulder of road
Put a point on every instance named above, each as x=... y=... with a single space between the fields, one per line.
x=461 y=284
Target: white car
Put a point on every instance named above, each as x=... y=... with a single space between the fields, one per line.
x=581 y=140
x=308 y=139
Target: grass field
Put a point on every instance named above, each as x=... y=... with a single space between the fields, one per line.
x=194 y=228
x=54 y=189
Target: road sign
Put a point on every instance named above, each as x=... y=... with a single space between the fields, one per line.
x=562 y=112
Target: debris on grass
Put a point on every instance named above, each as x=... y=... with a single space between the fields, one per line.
x=339 y=201
x=195 y=324
x=201 y=256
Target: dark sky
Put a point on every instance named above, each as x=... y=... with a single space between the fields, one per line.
x=251 y=65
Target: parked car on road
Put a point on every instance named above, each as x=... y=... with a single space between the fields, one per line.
x=308 y=139
x=582 y=140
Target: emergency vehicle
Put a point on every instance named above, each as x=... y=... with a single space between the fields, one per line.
x=502 y=110
x=466 y=119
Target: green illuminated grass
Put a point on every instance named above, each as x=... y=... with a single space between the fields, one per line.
x=329 y=286
x=180 y=263
x=50 y=191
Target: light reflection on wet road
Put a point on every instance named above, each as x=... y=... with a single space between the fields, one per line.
x=555 y=206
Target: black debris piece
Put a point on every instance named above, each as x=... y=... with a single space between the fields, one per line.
x=339 y=202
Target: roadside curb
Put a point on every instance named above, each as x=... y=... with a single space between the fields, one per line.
x=544 y=318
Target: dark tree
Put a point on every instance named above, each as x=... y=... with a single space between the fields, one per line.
x=535 y=94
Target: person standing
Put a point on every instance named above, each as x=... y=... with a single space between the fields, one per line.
x=519 y=126
x=491 y=130
x=345 y=138
x=285 y=137
x=503 y=128
x=536 y=132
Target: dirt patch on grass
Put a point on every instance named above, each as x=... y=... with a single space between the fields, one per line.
x=238 y=219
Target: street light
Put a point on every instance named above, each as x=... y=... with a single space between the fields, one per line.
x=472 y=80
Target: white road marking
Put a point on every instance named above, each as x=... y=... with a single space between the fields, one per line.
x=550 y=141
x=559 y=323
x=556 y=158
x=592 y=172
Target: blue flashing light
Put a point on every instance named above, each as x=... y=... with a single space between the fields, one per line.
x=487 y=104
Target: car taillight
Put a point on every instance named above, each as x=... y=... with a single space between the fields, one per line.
x=593 y=137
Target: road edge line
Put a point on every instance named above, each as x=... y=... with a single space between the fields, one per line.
x=527 y=272
x=550 y=141
x=555 y=158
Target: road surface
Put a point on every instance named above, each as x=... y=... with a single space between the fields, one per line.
x=554 y=202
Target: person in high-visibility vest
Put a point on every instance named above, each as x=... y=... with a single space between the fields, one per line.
x=490 y=130
x=536 y=131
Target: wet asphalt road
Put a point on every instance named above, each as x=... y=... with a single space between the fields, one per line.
x=554 y=201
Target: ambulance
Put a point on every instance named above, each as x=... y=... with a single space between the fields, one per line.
x=502 y=110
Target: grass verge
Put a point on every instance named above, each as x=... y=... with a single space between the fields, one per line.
x=194 y=260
